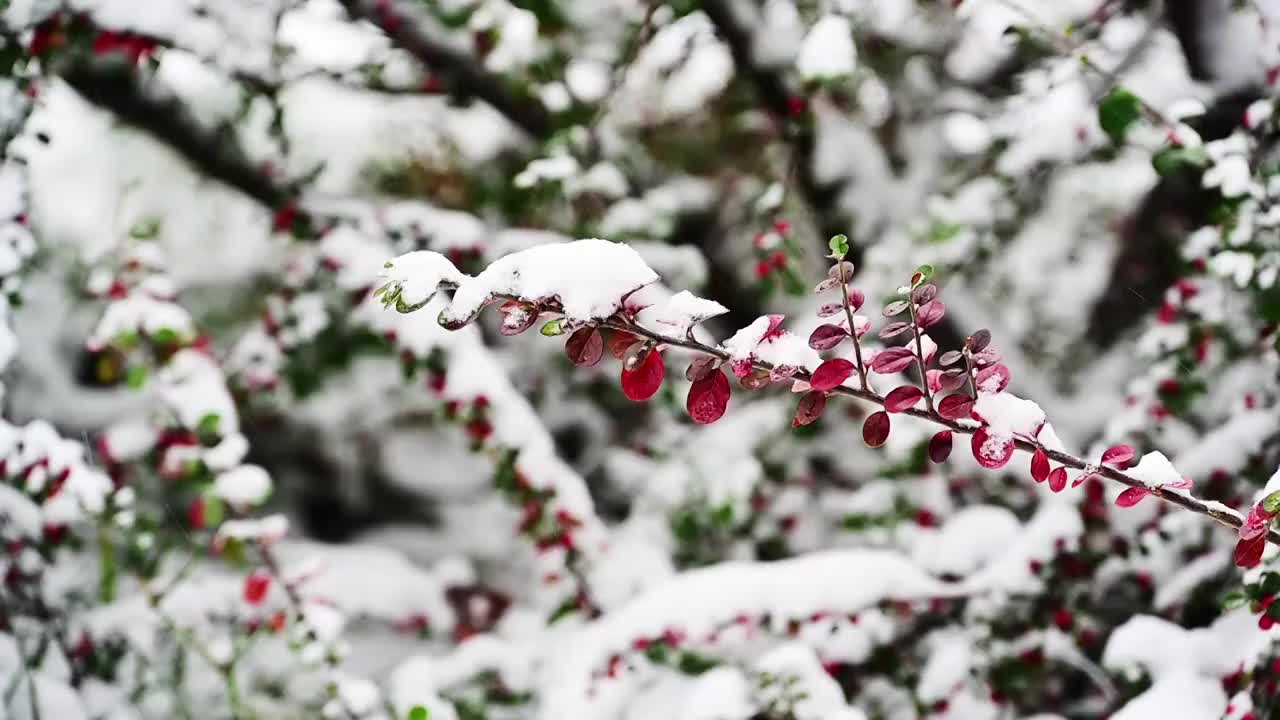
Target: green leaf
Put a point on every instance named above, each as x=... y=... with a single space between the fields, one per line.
x=1271 y=503
x=213 y=509
x=1172 y=159
x=553 y=328
x=921 y=275
x=136 y=377
x=1117 y=112
x=839 y=246
x=1270 y=583
x=419 y=713
x=165 y=336
x=145 y=229
x=209 y=424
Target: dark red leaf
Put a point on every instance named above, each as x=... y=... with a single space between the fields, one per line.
x=642 y=382
x=829 y=309
x=619 y=342
x=940 y=446
x=825 y=337
x=924 y=294
x=1249 y=552
x=895 y=308
x=892 y=360
x=1119 y=455
x=955 y=407
x=585 y=346
x=517 y=317
x=978 y=341
x=902 y=398
x=1058 y=479
x=993 y=379
x=1039 y=465
x=990 y=451
x=701 y=367
x=708 y=398
x=875 y=431
x=894 y=329
x=952 y=379
x=930 y=313
x=810 y=408
x=831 y=374
x=1131 y=497
x=949 y=357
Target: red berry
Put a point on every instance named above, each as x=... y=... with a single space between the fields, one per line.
x=256 y=586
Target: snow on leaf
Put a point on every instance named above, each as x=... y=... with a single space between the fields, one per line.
x=684 y=310
x=589 y=279
x=991 y=451
x=412 y=279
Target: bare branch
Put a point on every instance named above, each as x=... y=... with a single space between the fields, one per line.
x=458 y=70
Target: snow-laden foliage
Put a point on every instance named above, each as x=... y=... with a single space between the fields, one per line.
x=917 y=359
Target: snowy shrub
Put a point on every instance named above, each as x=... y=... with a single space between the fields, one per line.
x=917 y=359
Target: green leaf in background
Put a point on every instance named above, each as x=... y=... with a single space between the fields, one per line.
x=1117 y=112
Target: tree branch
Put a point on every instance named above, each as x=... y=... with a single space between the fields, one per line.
x=112 y=85
x=458 y=70
x=1213 y=510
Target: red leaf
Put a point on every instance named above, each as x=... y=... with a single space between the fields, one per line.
x=993 y=379
x=875 y=431
x=585 y=347
x=1081 y=478
x=991 y=452
x=708 y=398
x=955 y=407
x=902 y=398
x=1249 y=552
x=619 y=342
x=825 y=337
x=809 y=409
x=1131 y=497
x=831 y=374
x=940 y=446
x=930 y=313
x=1039 y=465
x=892 y=360
x=642 y=382
x=1058 y=479
x=1119 y=455
x=701 y=368
x=255 y=586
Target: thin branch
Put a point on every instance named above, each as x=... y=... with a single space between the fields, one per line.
x=112 y=85
x=1213 y=510
x=458 y=70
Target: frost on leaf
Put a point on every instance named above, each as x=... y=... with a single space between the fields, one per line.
x=588 y=278
x=708 y=397
x=412 y=279
x=642 y=382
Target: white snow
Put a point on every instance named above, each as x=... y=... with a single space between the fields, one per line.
x=827 y=51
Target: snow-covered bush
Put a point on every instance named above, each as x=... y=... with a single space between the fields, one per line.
x=922 y=359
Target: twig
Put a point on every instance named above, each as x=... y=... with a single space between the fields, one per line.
x=459 y=70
